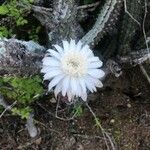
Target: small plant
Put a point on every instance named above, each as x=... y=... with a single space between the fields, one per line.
x=22 y=112
x=17 y=15
x=22 y=90
x=17 y=10
x=33 y=33
x=97 y=123
x=77 y=110
x=4 y=32
x=117 y=135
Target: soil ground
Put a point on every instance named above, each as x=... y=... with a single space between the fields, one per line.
x=122 y=106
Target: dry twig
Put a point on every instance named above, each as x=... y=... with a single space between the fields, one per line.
x=145 y=37
x=88 y=5
x=127 y=12
x=8 y=108
x=106 y=135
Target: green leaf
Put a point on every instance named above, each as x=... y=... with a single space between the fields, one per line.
x=3 y=10
x=24 y=90
x=4 y=32
x=22 y=112
x=31 y=1
x=21 y=21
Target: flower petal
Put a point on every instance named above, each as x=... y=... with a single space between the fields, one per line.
x=66 y=45
x=49 y=61
x=79 y=46
x=65 y=84
x=52 y=74
x=99 y=84
x=47 y=69
x=55 y=81
x=70 y=96
x=73 y=85
x=57 y=89
x=54 y=54
x=82 y=84
x=72 y=46
x=96 y=82
x=79 y=90
x=93 y=59
x=89 y=84
x=84 y=96
x=58 y=48
x=87 y=51
x=96 y=73
x=97 y=64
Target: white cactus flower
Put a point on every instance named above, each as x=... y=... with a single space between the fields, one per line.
x=72 y=70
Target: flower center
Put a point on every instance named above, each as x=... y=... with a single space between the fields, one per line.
x=74 y=64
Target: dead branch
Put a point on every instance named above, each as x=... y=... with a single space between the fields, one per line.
x=44 y=15
x=9 y=107
x=94 y=5
x=135 y=57
x=145 y=73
